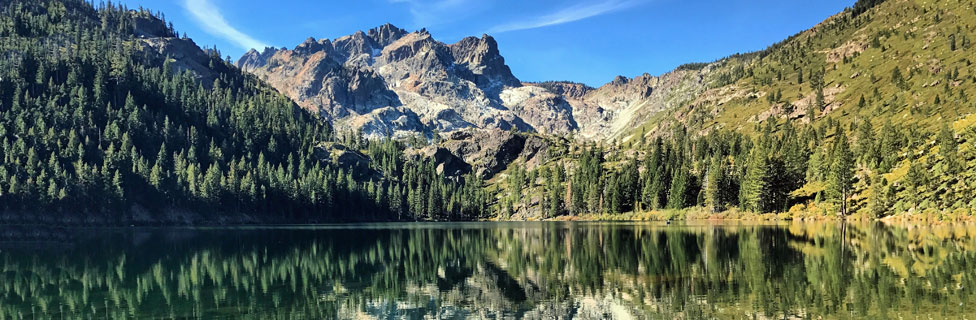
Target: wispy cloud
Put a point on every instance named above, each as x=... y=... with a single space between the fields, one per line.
x=567 y=15
x=208 y=16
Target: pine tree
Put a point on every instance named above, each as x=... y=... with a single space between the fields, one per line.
x=614 y=196
x=677 y=197
x=754 y=190
x=866 y=145
x=882 y=197
x=841 y=177
x=948 y=149
x=916 y=180
x=555 y=191
x=117 y=188
x=898 y=79
x=714 y=185
x=650 y=184
x=889 y=147
x=593 y=199
x=156 y=176
x=817 y=85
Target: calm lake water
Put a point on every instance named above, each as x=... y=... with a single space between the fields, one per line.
x=491 y=270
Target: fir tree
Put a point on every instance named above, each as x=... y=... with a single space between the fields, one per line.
x=841 y=177
x=714 y=185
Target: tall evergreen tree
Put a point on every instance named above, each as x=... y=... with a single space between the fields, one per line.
x=714 y=184
x=949 y=150
x=841 y=177
x=678 y=193
x=754 y=191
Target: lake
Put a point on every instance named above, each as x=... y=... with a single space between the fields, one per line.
x=531 y=270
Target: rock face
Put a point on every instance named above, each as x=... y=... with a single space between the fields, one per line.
x=612 y=110
x=157 y=42
x=485 y=152
x=183 y=54
x=390 y=82
x=345 y=158
x=626 y=103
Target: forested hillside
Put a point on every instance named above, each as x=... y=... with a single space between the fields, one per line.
x=866 y=114
x=107 y=116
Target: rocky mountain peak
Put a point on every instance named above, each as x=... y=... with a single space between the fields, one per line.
x=386 y=34
x=311 y=46
x=254 y=59
x=481 y=56
x=387 y=81
x=619 y=81
x=356 y=44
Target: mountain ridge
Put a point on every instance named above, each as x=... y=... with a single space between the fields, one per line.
x=425 y=86
x=791 y=127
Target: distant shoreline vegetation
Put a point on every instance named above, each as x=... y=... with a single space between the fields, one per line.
x=701 y=214
x=103 y=123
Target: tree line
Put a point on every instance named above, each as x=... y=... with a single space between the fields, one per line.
x=822 y=165
x=91 y=122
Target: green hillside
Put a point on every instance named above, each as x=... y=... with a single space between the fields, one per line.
x=108 y=117
x=891 y=78
x=908 y=61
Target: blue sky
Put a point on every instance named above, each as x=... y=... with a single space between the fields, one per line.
x=588 y=41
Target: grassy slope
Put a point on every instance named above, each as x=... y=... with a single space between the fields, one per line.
x=858 y=56
x=913 y=35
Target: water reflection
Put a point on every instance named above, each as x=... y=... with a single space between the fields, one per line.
x=513 y=270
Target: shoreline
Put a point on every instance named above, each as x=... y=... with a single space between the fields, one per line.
x=698 y=214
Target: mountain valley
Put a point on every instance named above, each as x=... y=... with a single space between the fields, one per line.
x=865 y=115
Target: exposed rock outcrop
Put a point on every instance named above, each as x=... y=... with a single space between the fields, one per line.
x=485 y=152
x=158 y=42
x=346 y=158
x=390 y=82
x=410 y=76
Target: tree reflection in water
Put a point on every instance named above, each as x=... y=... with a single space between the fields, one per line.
x=484 y=270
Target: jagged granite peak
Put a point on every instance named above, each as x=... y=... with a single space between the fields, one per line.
x=481 y=56
x=253 y=59
x=413 y=45
x=311 y=46
x=619 y=81
x=386 y=34
x=388 y=81
x=356 y=44
x=638 y=87
x=421 y=85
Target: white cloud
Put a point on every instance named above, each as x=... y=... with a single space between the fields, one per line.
x=209 y=17
x=569 y=14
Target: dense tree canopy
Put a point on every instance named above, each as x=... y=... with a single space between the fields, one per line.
x=93 y=122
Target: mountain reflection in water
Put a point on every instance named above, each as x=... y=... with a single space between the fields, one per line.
x=491 y=270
